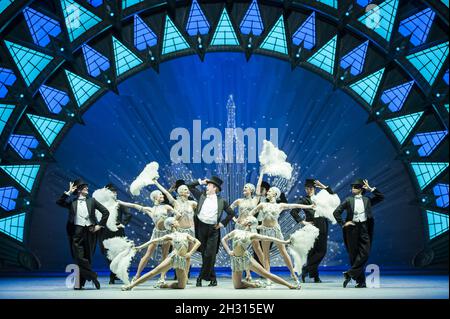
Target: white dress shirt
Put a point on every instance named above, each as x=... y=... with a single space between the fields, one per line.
x=82 y=214
x=359 y=214
x=208 y=212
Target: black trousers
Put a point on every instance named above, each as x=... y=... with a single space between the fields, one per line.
x=209 y=238
x=319 y=250
x=83 y=245
x=105 y=233
x=358 y=242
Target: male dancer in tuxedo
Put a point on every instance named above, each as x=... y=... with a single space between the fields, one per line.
x=122 y=219
x=319 y=250
x=82 y=227
x=358 y=229
x=207 y=224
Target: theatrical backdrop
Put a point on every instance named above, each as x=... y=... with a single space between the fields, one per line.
x=94 y=89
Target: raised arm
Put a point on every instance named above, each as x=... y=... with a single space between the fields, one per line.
x=256 y=209
x=258 y=184
x=165 y=192
x=193 y=189
x=62 y=201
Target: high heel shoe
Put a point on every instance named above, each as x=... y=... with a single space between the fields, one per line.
x=160 y=283
x=127 y=288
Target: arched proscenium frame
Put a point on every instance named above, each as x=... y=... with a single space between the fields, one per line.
x=46 y=84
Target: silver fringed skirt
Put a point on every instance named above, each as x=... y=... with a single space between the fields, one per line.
x=271 y=231
x=189 y=231
x=241 y=263
x=159 y=233
x=178 y=262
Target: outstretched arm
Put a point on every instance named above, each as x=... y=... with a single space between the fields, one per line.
x=268 y=238
x=165 y=192
x=301 y=206
x=157 y=240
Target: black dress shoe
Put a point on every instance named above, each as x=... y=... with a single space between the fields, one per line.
x=303 y=277
x=361 y=285
x=199 y=282
x=213 y=283
x=112 y=279
x=347 y=279
x=317 y=280
x=96 y=283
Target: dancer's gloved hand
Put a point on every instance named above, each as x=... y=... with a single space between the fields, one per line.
x=313 y=206
x=318 y=184
x=219 y=225
x=97 y=228
x=348 y=224
x=72 y=187
x=367 y=187
x=231 y=253
x=120 y=226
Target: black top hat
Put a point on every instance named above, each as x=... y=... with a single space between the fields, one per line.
x=309 y=182
x=111 y=187
x=178 y=183
x=216 y=181
x=79 y=183
x=265 y=185
x=358 y=182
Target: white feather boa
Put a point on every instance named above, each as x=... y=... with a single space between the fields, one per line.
x=301 y=243
x=145 y=178
x=105 y=197
x=326 y=204
x=120 y=252
x=273 y=161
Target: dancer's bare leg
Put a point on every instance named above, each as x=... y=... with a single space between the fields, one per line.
x=164 y=266
x=258 y=251
x=256 y=267
x=238 y=283
x=180 y=283
x=164 y=253
x=266 y=253
x=287 y=260
x=144 y=260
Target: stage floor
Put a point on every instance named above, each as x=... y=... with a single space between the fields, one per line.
x=391 y=287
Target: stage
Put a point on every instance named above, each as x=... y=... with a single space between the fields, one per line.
x=396 y=286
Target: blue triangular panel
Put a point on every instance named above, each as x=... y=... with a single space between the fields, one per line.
x=355 y=59
x=445 y=77
x=95 y=3
x=7 y=78
x=5 y=112
x=197 y=22
x=224 y=34
x=78 y=19
x=4 y=4
x=381 y=18
x=41 y=26
x=23 y=144
x=252 y=22
x=367 y=87
x=124 y=58
x=13 y=226
x=324 y=57
x=129 y=3
x=54 y=99
x=441 y=193
x=276 y=39
x=395 y=97
x=144 y=37
x=363 y=3
x=82 y=89
x=173 y=40
x=402 y=126
x=8 y=195
x=437 y=223
x=331 y=3
x=25 y=175
x=48 y=128
x=426 y=172
x=428 y=141
x=429 y=61
x=95 y=62
x=29 y=62
x=417 y=26
x=306 y=33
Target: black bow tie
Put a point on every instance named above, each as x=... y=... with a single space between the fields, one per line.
x=82 y=199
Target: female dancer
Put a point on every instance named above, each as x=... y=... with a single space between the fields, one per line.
x=270 y=213
x=241 y=259
x=159 y=213
x=178 y=258
x=245 y=206
x=184 y=209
